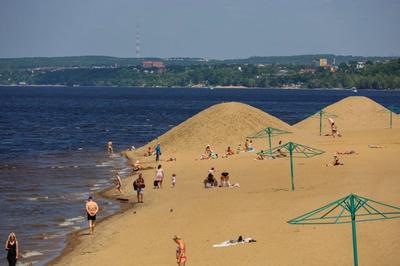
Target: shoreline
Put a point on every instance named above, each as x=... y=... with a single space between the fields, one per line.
x=207 y=88
x=74 y=238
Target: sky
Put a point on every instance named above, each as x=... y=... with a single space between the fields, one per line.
x=213 y=29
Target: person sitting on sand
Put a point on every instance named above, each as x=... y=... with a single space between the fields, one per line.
x=149 y=152
x=180 y=251
x=347 y=152
x=335 y=162
x=210 y=181
x=137 y=166
x=228 y=152
x=138 y=186
x=225 y=179
x=250 y=147
x=260 y=156
x=91 y=208
x=118 y=183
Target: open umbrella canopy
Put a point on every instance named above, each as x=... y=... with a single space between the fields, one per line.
x=268 y=131
x=291 y=150
x=339 y=212
x=350 y=209
x=296 y=150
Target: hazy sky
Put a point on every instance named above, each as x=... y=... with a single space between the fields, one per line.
x=199 y=28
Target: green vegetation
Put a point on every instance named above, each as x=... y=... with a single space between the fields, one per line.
x=368 y=75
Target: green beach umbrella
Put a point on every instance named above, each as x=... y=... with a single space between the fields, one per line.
x=268 y=132
x=350 y=209
x=391 y=109
x=294 y=150
x=322 y=114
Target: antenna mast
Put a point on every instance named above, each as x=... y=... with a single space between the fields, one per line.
x=137 y=41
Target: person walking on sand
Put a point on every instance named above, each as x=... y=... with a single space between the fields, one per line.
x=110 y=147
x=180 y=251
x=12 y=249
x=173 y=180
x=139 y=186
x=118 y=183
x=159 y=176
x=158 y=152
x=91 y=208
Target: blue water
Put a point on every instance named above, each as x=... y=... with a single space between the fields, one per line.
x=52 y=146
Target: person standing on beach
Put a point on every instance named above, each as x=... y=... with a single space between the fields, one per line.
x=158 y=152
x=180 y=251
x=139 y=186
x=118 y=184
x=12 y=249
x=110 y=147
x=159 y=176
x=173 y=180
x=91 y=208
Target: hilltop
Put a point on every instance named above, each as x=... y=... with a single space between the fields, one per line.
x=227 y=125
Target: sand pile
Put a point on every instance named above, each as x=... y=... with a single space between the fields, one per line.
x=220 y=125
x=353 y=113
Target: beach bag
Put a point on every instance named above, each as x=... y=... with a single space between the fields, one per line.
x=135 y=186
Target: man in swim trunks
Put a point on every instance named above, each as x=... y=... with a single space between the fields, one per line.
x=91 y=208
x=180 y=251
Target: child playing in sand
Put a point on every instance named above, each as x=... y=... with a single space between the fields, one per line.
x=173 y=180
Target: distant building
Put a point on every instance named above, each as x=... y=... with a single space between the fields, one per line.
x=158 y=65
x=307 y=70
x=323 y=62
x=360 y=65
x=153 y=64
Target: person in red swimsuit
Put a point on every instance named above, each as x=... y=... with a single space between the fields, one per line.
x=180 y=251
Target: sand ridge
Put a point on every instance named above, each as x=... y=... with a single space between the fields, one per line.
x=353 y=113
x=221 y=125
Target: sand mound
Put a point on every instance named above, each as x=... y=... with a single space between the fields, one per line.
x=353 y=113
x=220 y=125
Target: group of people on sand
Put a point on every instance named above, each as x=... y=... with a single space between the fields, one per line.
x=154 y=152
x=210 y=181
x=209 y=153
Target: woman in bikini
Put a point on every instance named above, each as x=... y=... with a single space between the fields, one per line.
x=180 y=251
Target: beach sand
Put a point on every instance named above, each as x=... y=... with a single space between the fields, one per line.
x=262 y=205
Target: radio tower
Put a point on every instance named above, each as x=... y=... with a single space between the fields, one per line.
x=137 y=41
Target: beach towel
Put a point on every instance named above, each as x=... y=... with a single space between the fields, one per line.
x=240 y=240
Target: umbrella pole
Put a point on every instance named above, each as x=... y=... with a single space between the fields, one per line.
x=291 y=164
x=353 y=228
x=320 y=123
x=269 y=141
x=390 y=118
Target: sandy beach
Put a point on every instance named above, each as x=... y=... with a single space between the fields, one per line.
x=264 y=202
